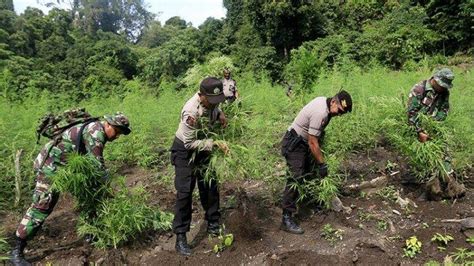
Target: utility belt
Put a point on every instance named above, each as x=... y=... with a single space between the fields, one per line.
x=292 y=141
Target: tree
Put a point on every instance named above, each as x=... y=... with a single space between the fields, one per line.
x=119 y=16
x=210 y=32
x=177 y=22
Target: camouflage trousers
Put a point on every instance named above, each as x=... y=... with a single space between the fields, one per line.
x=44 y=200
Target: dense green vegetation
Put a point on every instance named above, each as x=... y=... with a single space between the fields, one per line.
x=256 y=127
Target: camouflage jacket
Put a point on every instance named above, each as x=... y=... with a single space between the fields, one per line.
x=424 y=99
x=51 y=156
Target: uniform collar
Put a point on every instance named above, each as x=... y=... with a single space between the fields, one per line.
x=198 y=99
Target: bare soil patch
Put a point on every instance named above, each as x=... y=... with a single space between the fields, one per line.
x=373 y=233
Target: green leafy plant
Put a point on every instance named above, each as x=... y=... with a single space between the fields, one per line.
x=412 y=247
x=331 y=234
x=463 y=255
x=470 y=240
x=432 y=263
x=225 y=240
x=382 y=225
x=84 y=179
x=123 y=217
x=442 y=240
x=365 y=216
x=389 y=193
x=3 y=245
x=318 y=190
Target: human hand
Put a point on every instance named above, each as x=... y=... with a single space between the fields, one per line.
x=323 y=170
x=223 y=120
x=222 y=145
x=423 y=137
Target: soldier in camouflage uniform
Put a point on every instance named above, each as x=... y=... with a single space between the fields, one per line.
x=431 y=97
x=94 y=136
x=189 y=154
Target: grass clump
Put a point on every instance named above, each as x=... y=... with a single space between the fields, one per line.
x=111 y=215
x=4 y=247
x=331 y=234
x=123 y=217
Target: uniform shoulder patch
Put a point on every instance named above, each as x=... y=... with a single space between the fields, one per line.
x=418 y=90
x=191 y=121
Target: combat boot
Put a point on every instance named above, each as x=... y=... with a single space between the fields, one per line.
x=17 y=257
x=182 y=246
x=289 y=225
x=213 y=228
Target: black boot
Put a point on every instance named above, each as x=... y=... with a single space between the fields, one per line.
x=289 y=225
x=213 y=228
x=182 y=246
x=17 y=257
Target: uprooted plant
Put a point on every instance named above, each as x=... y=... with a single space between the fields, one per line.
x=233 y=162
x=110 y=212
x=426 y=159
x=442 y=240
x=122 y=217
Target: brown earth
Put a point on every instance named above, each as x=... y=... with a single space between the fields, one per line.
x=373 y=233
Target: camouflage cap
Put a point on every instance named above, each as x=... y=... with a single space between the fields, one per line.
x=119 y=120
x=444 y=77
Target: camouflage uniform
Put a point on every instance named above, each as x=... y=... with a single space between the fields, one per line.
x=45 y=166
x=424 y=99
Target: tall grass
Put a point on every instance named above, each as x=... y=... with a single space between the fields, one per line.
x=256 y=127
x=4 y=247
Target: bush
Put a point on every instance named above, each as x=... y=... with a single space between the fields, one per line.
x=212 y=68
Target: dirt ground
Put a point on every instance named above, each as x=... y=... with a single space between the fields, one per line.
x=373 y=233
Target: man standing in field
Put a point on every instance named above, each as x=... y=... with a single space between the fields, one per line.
x=431 y=97
x=230 y=87
x=85 y=138
x=302 y=151
x=190 y=153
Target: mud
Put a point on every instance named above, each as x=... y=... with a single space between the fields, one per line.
x=373 y=233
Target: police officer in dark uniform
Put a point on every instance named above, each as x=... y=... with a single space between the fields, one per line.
x=188 y=154
x=301 y=148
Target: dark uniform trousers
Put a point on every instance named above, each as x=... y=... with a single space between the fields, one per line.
x=300 y=164
x=188 y=171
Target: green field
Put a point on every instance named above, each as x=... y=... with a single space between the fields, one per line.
x=255 y=128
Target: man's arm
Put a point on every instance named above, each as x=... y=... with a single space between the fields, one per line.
x=188 y=128
x=443 y=110
x=94 y=141
x=414 y=106
x=315 y=149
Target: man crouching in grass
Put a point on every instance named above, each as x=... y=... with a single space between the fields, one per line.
x=189 y=154
x=431 y=97
x=301 y=147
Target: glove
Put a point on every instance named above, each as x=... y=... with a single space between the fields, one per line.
x=323 y=170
